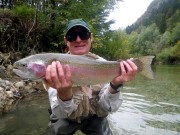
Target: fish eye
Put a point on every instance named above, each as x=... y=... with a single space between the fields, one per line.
x=23 y=64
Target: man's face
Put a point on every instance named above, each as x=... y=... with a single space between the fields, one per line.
x=78 y=40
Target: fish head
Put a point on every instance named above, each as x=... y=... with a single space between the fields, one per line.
x=32 y=70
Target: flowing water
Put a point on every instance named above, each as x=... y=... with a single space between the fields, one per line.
x=150 y=107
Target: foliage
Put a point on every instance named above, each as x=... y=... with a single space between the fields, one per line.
x=157 y=31
x=41 y=23
x=173 y=20
x=170 y=55
x=19 y=31
x=117 y=47
x=176 y=33
x=23 y=11
x=147 y=40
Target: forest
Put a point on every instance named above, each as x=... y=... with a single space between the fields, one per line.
x=35 y=26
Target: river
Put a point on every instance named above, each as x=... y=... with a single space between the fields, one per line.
x=150 y=107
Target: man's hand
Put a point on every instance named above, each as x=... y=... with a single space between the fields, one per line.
x=59 y=77
x=128 y=73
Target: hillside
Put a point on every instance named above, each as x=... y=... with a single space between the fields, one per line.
x=158 y=12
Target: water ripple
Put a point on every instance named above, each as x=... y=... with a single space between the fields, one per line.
x=140 y=116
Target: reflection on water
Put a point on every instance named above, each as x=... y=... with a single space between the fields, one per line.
x=150 y=107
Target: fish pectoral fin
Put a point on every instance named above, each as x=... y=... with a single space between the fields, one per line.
x=45 y=85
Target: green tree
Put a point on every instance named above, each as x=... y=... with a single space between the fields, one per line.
x=173 y=20
x=170 y=55
x=176 y=33
x=117 y=46
x=147 y=40
x=134 y=47
x=161 y=22
x=165 y=40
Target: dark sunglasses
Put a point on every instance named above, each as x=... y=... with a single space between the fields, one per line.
x=83 y=34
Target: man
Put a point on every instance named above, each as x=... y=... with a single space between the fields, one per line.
x=83 y=108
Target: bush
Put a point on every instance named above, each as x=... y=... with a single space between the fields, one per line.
x=170 y=55
x=23 y=11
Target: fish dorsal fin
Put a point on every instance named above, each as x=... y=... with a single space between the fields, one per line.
x=92 y=56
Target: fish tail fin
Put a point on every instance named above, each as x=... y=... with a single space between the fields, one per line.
x=144 y=66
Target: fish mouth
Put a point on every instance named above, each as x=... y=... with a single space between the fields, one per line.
x=19 y=67
x=16 y=66
x=23 y=74
x=21 y=71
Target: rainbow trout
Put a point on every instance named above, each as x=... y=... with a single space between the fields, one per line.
x=84 y=69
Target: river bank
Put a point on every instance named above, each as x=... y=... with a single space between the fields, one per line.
x=14 y=89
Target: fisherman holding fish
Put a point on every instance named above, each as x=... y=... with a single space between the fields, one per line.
x=83 y=88
x=85 y=107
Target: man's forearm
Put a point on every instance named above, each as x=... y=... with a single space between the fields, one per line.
x=61 y=109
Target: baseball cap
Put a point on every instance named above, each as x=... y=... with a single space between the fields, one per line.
x=76 y=22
